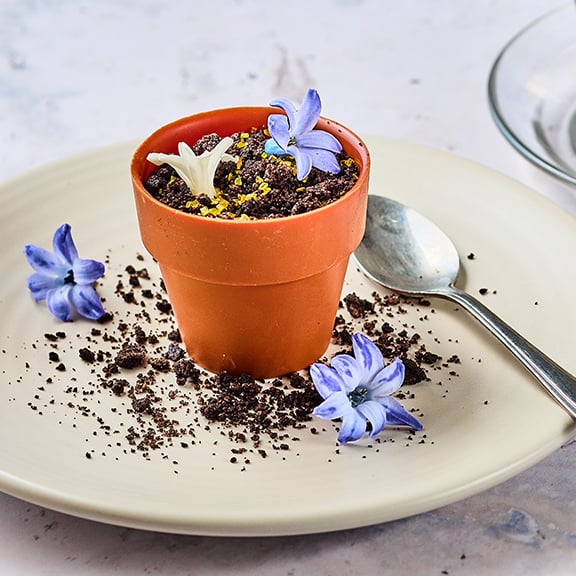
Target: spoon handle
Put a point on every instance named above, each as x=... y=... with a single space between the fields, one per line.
x=558 y=382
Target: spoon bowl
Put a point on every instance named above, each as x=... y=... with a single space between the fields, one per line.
x=407 y=253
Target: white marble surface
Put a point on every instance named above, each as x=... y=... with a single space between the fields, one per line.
x=78 y=74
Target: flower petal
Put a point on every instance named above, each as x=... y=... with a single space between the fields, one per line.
x=58 y=304
x=218 y=154
x=64 y=248
x=86 y=302
x=397 y=414
x=87 y=271
x=319 y=139
x=279 y=130
x=375 y=413
x=303 y=161
x=352 y=428
x=180 y=162
x=324 y=160
x=43 y=261
x=326 y=380
x=388 y=380
x=368 y=355
x=307 y=116
x=40 y=284
x=349 y=370
x=290 y=110
x=336 y=405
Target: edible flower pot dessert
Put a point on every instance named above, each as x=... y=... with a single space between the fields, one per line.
x=252 y=291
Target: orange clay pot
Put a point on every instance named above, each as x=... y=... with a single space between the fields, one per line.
x=257 y=297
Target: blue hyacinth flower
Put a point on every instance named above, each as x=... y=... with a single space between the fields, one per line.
x=358 y=390
x=63 y=279
x=293 y=134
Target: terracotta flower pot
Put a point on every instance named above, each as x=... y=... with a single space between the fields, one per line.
x=256 y=297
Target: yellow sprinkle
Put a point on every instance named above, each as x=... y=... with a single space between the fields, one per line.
x=241 y=144
x=264 y=155
x=241 y=198
x=244 y=135
x=219 y=201
x=301 y=189
x=238 y=181
x=264 y=187
x=214 y=210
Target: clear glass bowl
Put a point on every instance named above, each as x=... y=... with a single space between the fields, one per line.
x=532 y=92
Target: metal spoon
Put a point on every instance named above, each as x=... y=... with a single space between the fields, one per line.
x=407 y=253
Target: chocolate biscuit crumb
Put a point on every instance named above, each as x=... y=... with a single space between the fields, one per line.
x=131 y=356
x=87 y=355
x=142 y=405
x=358 y=307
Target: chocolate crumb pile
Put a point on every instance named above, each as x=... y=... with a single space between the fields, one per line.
x=257 y=186
x=159 y=399
x=392 y=342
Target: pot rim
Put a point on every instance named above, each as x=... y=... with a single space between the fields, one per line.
x=361 y=155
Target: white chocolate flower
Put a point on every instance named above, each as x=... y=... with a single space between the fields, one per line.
x=197 y=171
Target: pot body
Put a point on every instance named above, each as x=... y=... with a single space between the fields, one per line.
x=256 y=297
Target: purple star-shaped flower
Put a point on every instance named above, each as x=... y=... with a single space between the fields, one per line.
x=63 y=279
x=293 y=134
x=358 y=390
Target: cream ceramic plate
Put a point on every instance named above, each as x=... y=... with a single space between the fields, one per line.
x=481 y=427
